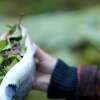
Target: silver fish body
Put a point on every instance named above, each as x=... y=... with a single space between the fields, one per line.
x=17 y=83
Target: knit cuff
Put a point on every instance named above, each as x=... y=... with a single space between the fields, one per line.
x=64 y=83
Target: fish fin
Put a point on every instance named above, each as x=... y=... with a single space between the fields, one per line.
x=11 y=90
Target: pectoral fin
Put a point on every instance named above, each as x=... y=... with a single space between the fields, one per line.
x=11 y=91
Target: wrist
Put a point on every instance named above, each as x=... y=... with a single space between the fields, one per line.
x=63 y=82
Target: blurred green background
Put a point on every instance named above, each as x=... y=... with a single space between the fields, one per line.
x=66 y=29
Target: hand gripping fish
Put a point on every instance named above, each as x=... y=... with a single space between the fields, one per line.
x=17 y=83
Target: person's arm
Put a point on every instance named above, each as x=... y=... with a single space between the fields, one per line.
x=63 y=81
x=82 y=83
x=89 y=82
x=55 y=77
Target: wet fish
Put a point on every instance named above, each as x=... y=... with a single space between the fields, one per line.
x=18 y=81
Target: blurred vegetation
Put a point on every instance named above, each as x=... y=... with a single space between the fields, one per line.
x=71 y=36
x=28 y=7
x=66 y=29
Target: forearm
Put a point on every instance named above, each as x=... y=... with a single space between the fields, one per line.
x=89 y=82
x=75 y=83
x=64 y=82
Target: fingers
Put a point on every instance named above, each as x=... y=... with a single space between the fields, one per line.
x=42 y=82
x=45 y=67
x=46 y=63
x=40 y=54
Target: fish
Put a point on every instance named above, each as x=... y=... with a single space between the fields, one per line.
x=18 y=81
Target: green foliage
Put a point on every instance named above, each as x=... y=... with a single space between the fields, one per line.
x=1 y=59
x=29 y=7
x=12 y=28
x=10 y=51
x=3 y=44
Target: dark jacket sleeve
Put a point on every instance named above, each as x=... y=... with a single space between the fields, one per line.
x=89 y=80
x=64 y=82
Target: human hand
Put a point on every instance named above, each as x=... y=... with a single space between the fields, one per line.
x=45 y=66
x=45 y=63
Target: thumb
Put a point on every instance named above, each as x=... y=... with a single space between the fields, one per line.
x=40 y=54
x=46 y=62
